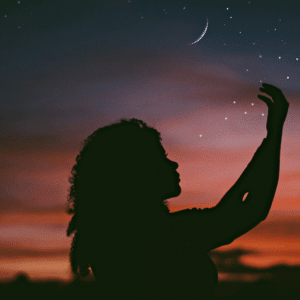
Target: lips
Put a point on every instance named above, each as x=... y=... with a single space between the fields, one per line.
x=177 y=175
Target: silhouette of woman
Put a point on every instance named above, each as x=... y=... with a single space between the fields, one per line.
x=123 y=228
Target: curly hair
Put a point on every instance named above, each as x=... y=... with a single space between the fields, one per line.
x=110 y=164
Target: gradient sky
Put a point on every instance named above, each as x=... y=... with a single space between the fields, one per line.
x=70 y=67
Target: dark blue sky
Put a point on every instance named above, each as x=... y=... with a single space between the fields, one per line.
x=56 y=32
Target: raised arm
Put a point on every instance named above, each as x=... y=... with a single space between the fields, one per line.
x=260 y=178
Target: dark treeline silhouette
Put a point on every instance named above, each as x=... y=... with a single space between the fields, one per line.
x=122 y=226
x=279 y=282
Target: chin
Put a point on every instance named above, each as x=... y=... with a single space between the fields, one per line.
x=174 y=193
x=179 y=190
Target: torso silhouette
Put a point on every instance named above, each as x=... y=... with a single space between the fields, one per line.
x=159 y=255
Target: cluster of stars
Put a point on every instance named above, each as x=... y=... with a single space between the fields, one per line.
x=247 y=122
x=244 y=123
x=260 y=56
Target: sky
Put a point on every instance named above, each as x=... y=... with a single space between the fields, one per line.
x=70 y=67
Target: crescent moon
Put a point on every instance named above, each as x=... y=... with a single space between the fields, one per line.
x=202 y=35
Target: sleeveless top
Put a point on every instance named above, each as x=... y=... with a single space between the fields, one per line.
x=157 y=256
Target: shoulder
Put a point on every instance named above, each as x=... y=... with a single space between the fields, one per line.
x=192 y=221
x=206 y=226
x=193 y=212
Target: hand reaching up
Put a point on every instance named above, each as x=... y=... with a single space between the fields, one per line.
x=277 y=109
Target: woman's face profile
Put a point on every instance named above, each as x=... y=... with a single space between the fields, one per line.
x=165 y=175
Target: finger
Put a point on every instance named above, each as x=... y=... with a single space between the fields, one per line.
x=265 y=91
x=274 y=94
x=267 y=100
x=272 y=90
x=267 y=85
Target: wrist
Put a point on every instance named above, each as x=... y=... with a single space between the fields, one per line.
x=277 y=133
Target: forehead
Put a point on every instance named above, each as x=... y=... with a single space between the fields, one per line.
x=155 y=148
x=159 y=150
